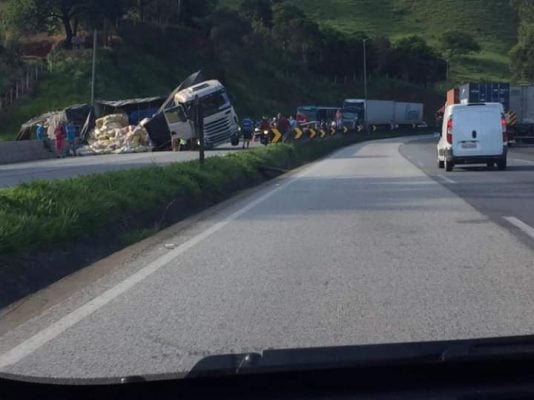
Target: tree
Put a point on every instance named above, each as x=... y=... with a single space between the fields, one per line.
x=522 y=54
x=417 y=62
x=456 y=43
x=45 y=15
x=257 y=10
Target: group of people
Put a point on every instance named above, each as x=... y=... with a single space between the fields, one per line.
x=283 y=123
x=65 y=139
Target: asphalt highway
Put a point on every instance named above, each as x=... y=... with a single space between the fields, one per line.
x=369 y=245
x=497 y=194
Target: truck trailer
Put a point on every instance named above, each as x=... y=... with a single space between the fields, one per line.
x=517 y=102
x=381 y=113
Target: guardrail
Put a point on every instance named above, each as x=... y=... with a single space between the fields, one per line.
x=310 y=131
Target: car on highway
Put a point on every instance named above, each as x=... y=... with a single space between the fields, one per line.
x=473 y=134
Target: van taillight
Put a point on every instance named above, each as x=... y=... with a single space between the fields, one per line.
x=449 y=131
x=504 y=124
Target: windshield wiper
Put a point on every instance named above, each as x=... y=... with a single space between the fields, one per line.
x=382 y=355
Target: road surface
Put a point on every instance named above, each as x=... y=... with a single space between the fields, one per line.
x=361 y=247
x=14 y=174
x=495 y=193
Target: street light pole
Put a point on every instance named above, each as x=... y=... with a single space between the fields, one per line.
x=93 y=76
x=365 y=84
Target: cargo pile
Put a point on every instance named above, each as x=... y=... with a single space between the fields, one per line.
x=114 y=135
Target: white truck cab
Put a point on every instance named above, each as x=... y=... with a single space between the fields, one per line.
x=473 y=134
x=220 y=119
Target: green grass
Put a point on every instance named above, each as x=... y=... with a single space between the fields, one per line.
x=493 y=23
x=42 y=214
x=46 y=214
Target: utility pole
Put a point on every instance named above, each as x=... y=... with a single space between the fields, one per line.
x=93 y=76
x=199 y=127
x=366 y=127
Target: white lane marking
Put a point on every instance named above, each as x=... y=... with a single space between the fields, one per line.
x=32 y=344
x=521 y=225
x=448 y=180
x=522 y=160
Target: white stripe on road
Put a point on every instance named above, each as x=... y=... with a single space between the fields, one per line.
x=448 y=180
x=32 y=344
x=521 y=225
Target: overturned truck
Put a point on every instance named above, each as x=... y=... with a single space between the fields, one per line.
x=175 y=118
x=145 y=124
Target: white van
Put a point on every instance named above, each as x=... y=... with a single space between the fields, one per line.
x=473 y=134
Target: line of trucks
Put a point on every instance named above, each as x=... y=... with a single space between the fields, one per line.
x=517 y=101
x=356 y=113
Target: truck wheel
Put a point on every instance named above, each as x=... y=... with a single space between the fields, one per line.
x=448 y=165
x=441 y=164
x=501 y=165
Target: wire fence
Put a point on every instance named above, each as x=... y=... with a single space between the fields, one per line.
x=27 y=78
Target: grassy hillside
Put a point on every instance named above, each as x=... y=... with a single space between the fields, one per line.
x=493 y=22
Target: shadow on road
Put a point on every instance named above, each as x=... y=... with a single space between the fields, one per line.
x=479 y=168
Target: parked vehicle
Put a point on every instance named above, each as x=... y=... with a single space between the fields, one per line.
x=485 y=93
x=473 y=134
x=312 y=116
x=521 y=114
x=381 y=112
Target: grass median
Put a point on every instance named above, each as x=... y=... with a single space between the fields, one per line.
x=43 y=215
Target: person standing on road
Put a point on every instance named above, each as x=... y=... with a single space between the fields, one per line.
x=247 y=128
x=42 y=135
x=283 y=125
x=60 y=134
x=292 y=123
x=71 y=139
x=339 y=119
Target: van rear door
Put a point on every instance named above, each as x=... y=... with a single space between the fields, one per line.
x=477 y=131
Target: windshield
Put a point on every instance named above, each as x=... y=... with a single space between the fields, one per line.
x=330 y=196
x=214 y=103
x=354 y=110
